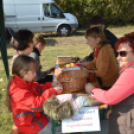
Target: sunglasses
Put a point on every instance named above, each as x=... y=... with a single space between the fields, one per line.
x=122 y=53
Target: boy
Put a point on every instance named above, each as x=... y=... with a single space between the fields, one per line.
x=40 y=43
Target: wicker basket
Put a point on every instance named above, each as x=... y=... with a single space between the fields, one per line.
x=72 y=80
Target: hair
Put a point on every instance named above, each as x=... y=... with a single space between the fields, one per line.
x=127 y=38
x=21 y=39
x=96 y=20
x=21 y=65
x=39 y=39
x=97 y=32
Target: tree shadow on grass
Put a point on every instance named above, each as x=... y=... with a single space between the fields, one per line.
x=79 y=32
x=51 y=42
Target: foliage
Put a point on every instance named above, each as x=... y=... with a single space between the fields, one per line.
x=118 y=12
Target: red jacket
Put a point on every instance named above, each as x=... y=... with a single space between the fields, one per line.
x=27 y=101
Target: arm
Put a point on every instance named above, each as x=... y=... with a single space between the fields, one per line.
x=103 y=64
x=41 y=74
x=123 y=88
x=50 y=85
x=91 y=65
x=32 y=102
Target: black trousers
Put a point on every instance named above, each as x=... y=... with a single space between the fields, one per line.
x=100 y=82
x=48 y=78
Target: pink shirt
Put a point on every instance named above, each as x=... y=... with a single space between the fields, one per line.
x=123 y=88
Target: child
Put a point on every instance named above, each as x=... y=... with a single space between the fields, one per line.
x=40 y=43
x=23 y=44
x=25 y=98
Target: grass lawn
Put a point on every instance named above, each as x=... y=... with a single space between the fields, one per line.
x=75 y=45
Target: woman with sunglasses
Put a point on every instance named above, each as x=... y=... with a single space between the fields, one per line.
x=121 y=94
x=104 y=64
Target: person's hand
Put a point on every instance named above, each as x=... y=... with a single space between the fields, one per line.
x=94 y=101
x=57 y=86
x=83 y=64
x=50 y=70
x=108 y=113
x=89 y=87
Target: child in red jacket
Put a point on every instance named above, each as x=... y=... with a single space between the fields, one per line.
x=25 y=98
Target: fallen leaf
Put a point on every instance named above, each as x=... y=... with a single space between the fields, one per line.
x=1 y=80
x=3 y=89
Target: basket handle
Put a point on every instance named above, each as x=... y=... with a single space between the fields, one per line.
x=58 y=77
x=89 y=71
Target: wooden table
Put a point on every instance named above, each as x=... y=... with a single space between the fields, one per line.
x=58 y=69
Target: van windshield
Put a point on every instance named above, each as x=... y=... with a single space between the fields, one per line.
x=52 y=11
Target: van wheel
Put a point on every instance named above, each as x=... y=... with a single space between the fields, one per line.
x=64 y=31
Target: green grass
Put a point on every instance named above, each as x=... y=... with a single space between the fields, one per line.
x=75 y=45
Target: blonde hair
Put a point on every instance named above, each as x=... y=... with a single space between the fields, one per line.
x=97 y=32
x=39 y=39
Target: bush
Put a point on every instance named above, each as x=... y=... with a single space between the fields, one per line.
x=114 y=12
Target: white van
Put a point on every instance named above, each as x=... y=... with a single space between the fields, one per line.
x=38 y=16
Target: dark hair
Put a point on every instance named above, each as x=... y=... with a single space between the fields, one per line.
x=21 y=39
x=97 y=32
x=21 y=65
x=126 y=38
x=39 y=39
x=96 y=20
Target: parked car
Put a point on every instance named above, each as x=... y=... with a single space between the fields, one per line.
x=38 y=16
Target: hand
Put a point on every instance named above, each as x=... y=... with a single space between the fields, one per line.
x=94 y=101
x=50 y=71
x=84 y=64
x=108 y=113
x=57 y=86
x=89 y=87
